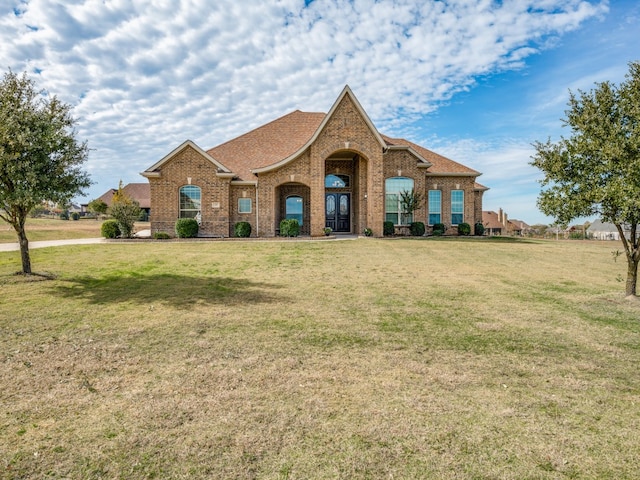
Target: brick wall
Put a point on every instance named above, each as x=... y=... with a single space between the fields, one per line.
x=188 y=167
x=345 y=131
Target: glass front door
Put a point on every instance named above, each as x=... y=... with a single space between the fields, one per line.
x=338 y=212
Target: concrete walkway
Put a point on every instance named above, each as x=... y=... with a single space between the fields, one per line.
x=10 y=247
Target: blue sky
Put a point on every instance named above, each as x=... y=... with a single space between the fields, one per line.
x=476 y=80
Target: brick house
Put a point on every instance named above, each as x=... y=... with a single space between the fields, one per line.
x=139 y=192
x=331 y=169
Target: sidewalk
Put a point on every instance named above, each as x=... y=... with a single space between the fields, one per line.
x=10 y=247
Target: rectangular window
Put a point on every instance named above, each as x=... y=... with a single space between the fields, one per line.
x=190 y=201
x=457 y=207
x=395 y=210
x=391 y=208
x=244 y=205
x=435 y=207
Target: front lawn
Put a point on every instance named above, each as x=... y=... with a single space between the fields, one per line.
x=368 y=358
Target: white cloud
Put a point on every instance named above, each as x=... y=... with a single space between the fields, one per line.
x=144 y=76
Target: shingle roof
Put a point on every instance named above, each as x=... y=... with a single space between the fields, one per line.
x=267 y=144
x=490 y=219
x=140 y=192
x=277 y=140
x=442 y=165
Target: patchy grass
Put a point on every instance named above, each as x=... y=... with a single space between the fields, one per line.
x=353 y=359
x=54 y=229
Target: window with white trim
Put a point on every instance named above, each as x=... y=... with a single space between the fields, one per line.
x=244 y=205
x=435 y=207
x=393 y=209
x=190 y=201
x=457 y=207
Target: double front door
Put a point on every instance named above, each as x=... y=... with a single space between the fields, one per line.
x=338 y=212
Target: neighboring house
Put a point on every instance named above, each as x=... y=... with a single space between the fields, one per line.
x=600 y=230
x=140 y=192
x=523 y=227
x=325 y=170
x=499 y=224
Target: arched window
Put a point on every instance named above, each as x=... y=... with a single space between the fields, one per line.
x=294 y=208
x=336 y=181
x=394 y=210
x=190 y=201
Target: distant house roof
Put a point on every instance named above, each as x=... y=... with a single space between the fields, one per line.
x=140 y=192
x=490 y=219
x=498 y=221
x=600 y=226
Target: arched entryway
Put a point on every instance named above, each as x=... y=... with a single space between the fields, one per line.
x=293 y=201
x=345 y=192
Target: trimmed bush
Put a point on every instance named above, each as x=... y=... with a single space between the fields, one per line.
x=388 y=229
x=464 y=229
x=110 y=229
x=64 y=216
x=75 y=216
x=479 y=228
x=438 y=229
x=187 y=228
x=417 y=229
x=289 y=227
x=161 y=235
x=242 y=229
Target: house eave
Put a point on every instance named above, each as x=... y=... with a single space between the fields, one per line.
x=149 y=172
x=424 y=163
x=453 y=174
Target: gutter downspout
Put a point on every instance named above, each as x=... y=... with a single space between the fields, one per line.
x=257 y=214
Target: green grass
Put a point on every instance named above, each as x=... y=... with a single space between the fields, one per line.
x=52 y=229
x=429 y=358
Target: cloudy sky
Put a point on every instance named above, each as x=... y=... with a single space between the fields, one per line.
x=475 y=80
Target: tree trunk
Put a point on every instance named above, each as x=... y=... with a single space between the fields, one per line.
x=24 y=251
x=632 y=274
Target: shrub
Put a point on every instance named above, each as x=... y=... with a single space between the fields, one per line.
x=242 y=229
x=161 y=235
x=289 y=227
x=368 y=232
x=187 y=228
x=464 y=229
x=110 y=229
x=438 y=229
x=125 y=210
x=64 y=216
x=388 y=229
x=479 y=227
x=75 y=216
x=327 y=230
x=417 y=229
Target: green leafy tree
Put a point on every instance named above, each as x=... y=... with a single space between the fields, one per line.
x=40 y=158
x=97 y=207
x=410 y=202
x=596 y=171
x=125 y=211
